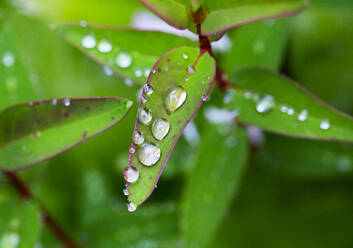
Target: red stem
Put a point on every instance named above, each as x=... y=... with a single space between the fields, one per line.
x=26 y=194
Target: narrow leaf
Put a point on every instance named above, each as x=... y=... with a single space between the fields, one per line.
x=130 y=53
x=37 y=131
x=275 y=103
x=233 y=14
x=172 y=12
x=180 y=82
x=213 y=183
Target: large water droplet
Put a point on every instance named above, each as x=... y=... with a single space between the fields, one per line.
x=265 y=104
x=303 y=115
x=325 y=124
x=131 y=207
x=8 y=59
x=175 y=98
x=104 y=46
x=160 y=128
x=138 y=138
x=66 y=102
x=88 y=41
x=131 y=174
x=149 y=154
x=144 y=116
x=123 y=60
x=147 y=88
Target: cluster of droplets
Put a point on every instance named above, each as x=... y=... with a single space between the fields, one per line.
x=266 y=103
x=148 y=152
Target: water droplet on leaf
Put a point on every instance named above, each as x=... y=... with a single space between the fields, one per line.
x=144 y=116
x=138 y=138
x=175 y=98
x=66 y=102
x=8 y=59
x=54 y=102
x=104 y=46
x=138 y=73
x=185 y=56
x=131 y=174
x=88 y=41
x=265 y=104
x=149 y=154
x=303 y=115
x=325 y=124
x=147 y=89
x=131 y=207
x=123 y=60
x=160 y=128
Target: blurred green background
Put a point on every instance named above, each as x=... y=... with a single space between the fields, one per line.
x=295 y=193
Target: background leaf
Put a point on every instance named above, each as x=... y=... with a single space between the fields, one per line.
x=182 y=67
x=213 y=182
x=31 y=133
x=122 y=49
x=277 y=104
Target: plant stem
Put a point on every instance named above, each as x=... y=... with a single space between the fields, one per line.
x=24 y=191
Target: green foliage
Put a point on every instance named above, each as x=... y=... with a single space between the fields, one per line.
x=295 y=192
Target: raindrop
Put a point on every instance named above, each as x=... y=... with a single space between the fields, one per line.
x=132 y=150
x=88 y=41
x=129 y=82
x=154 y=71
x=147 y=89
x=147 y=72
x=265 y=105
x=66 y=102
x=175 y=98
x=54 y=102
x=290 y=111
x=83 y=23
x=131 y=207
x=185 y=56
x=160 y=128
x=247 y=94
x=325 y=124
x=10 y=240
x=204 y=98
x=129 y=104
x=144 y=116
x=104 y=46
x=284 y=109
x=138 y=138
x=107 y=70
x=191 y=69
x=228 y=97
x=123 y=60
x=125 y=191
x=144 y=99
x=8 y=59
x=149 y=154
x=138 y=73
x=303 y=115
x=131 y=174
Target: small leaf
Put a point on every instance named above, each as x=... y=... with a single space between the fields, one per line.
x=37 y=131
x=172 y=95
x=275 y=103
x=131 y=53
x=15 y=83
x=172 y=12
x=257 y=44
x=213 y=182
x=232 y=14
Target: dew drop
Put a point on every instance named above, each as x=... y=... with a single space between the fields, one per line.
x=138 y=138
x=131 y=174
x=144 y=99
x=8 y=59
x=228 y=97
x=175 y=98
x=303 y=115
x=146 y=72
x=132 y=150
x=147 y=89
x=204 y=98
x=185 y=56
x=54 y=102
x=149 y=154
x=83 y=23
x=88 y=41
x=265 y=104
x=154 y=71
x=104 y=46
x=131 y=207
x=107 y=70
x=290 y=111
x=123 y=60
x=138 y=73
x=144 y=116
x=128 y=82
x=284 y=108
x=325 y=124
x=160 y=128
x=66 y=102
x=129 y=104
x=191 y=69
x=247 y=94
x=10 y=240
x=125 y=191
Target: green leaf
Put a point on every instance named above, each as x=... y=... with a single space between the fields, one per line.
x=275 y=103
x=37 y=131
x=130 y=53
x=171 y=11
x=15 y=83
x=257 y=44
x=213 y=182
x=229 y=14
x=308 y=158
x=181 y=70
